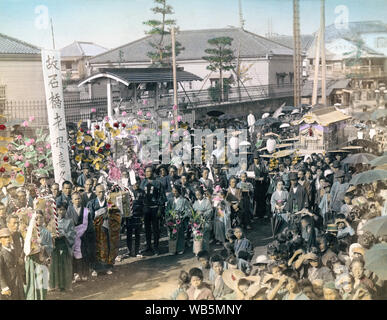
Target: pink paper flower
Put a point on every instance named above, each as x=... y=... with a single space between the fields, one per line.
x=48 y=146
x=139 y=113
x=93 y=110
x=174 y=107
x=10 y=147
x=179 y=118
x=87 y=148
x=106 y=118
x=172 y=122
x=132 y=132
x=40 y=149
x=32 y=118
x=32 y=141
x=148 y=114
x=41 y=165
x=145 y=102
x=27 y=164
x=88 y=131
x=124 y=113
x=20 y=158
x=25 y=124
x=174 y=231
x=159 y=133
x=186 y=133
x=18 y=137
x=175 y=135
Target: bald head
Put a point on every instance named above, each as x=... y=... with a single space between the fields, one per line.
x=100 y=192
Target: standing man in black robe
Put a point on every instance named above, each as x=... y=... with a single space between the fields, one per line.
x=154 y=200
x=260 y=187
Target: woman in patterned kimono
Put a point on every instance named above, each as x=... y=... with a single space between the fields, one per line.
x=247 y=190
x=203 y=206
x=222 y=221
x=182 y=207
x=278 y=202
x=38 y=247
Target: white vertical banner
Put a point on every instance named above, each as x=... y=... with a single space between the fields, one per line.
x=56 y=114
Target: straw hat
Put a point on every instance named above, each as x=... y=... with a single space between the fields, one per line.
x=231 y=277
x=4 y=232
x=262 y=259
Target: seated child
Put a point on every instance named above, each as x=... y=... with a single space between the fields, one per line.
x=204 y=260
x=218 y=286
x=229 y=244
x=243 y=262
x=242 y=243
x=198 y=289
x=183 y=285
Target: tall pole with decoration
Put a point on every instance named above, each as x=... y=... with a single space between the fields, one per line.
x=175 y=111
x=56 y=115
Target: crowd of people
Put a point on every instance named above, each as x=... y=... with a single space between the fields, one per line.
x=315 y=216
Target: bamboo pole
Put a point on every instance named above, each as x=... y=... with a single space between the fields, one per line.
x=174 y=76
x=323 y=61
x=316 y=68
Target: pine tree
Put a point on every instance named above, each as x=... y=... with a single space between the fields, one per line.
x=161 y=56
x=220 y=58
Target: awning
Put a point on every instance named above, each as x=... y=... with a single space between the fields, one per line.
x=142 y=75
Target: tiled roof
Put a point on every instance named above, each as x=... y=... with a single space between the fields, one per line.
x=81 y=48
x=307 y=88
x=9 y=45
x=306 y=41
x=195 y=42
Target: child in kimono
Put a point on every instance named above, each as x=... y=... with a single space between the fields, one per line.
x=203 y=206
x=242 y=243
x=219 y=288
x=204 y=260
x=222 y=222
x=61 y=268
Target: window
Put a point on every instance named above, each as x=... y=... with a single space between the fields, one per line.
x=2 y=92
x=68 y=65
x=381 y=42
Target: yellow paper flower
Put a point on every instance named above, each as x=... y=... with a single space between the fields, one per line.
x=78 y=158
x=115 y=132
x=20 y=179
x=79 y=140
x=88 y=138
x=3 y=149
x=100 y=135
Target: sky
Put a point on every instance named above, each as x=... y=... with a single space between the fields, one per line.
x=112 y=23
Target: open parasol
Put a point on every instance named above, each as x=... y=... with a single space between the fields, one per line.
x=369 y=177
x=352 y=148
x=244 y=143
x=284 y=145
x=267 y=121
x=377 y=226
x=278 y=154
x=359 y=158
x=379 y=161
x=285 y=125
x=291 y=139
x=271 y=134
x=376 y=260
x=378 y=114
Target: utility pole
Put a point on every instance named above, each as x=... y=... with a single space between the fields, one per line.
x=323 y=61
x=296 y=53
x=174 y=75
x=316 y=68
x=241 y=20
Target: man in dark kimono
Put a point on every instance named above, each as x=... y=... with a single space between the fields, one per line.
x=84 y=175
x=11 y=281
x=338 y=190
x=298 y=198
x=65 y=197
x=154 y=200
x=18 y=243
x=84 y=251
x=260 y=188
x=219 y=178
x=88 y=194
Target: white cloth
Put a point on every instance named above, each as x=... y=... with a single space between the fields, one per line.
x=250 y=119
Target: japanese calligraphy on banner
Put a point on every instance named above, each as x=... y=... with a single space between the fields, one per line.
x=56 y=115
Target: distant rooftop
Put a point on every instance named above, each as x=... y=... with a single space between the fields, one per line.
x=82 y=49
x=306 y=41
x=195 y=42
x=9 y=45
